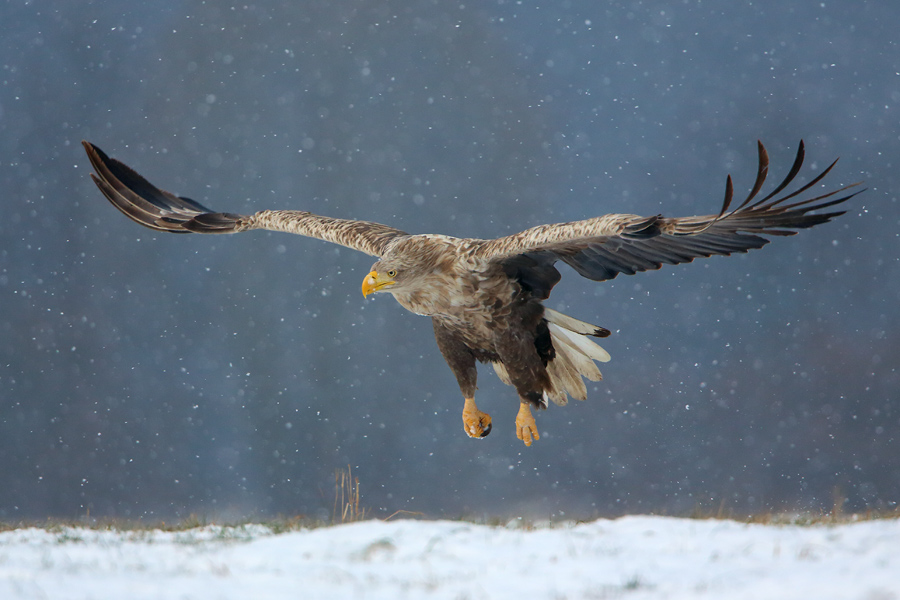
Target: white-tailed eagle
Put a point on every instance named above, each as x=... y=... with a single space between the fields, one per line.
x=485 y=297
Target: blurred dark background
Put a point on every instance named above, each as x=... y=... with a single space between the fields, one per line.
x=155 y=376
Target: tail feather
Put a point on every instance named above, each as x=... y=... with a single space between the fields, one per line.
x=574 y=325
x=566 y=377
x=581 y=343
x=575 y=356
x=582 y=362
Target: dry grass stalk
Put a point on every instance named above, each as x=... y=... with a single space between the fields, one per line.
x=346 y=497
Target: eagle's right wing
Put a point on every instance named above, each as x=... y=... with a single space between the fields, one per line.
x=157 y=209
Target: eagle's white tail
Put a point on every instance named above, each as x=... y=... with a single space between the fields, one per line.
x=575 y=356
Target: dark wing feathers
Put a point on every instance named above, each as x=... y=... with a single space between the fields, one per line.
x=209 y=222
x=157 y=209
x=604 y=247
x=148 y=205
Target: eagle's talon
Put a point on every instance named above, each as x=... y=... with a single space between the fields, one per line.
x=526 y=427
x=477 y=424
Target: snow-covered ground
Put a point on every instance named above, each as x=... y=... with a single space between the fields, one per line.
x=631 y=557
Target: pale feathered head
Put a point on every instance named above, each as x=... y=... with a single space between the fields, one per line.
x=408 y=266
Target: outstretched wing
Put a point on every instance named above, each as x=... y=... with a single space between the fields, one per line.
x=157 y=209
x=603 y=247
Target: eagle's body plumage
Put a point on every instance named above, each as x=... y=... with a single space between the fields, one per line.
x=485 y=297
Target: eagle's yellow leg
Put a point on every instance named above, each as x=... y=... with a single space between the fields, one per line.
x=476 y=423
x=526 y=427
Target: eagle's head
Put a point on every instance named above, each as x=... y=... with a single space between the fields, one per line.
x=379 y=280
x=409 y=266
x=391 y=275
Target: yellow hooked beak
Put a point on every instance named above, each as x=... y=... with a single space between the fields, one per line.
x=374 y=281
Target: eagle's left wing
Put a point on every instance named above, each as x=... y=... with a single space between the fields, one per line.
x=157 y=209
x=603 y=247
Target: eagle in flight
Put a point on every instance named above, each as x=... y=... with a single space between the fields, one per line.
x=485 y=297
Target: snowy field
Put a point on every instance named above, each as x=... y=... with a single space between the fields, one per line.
x=630 y=557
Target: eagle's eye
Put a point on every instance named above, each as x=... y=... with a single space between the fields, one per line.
x=392 y=273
